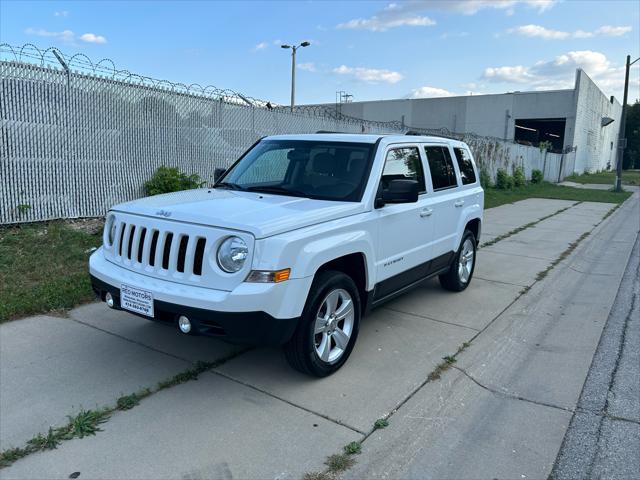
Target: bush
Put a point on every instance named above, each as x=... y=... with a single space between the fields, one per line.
x=504 y=181
x=519 y=180
x=485 y=178
x=537 y=176
x=170 y=179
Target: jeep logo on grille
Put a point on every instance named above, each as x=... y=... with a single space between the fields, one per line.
x=163 y=213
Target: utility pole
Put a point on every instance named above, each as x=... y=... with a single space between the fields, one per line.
x=622 y=140
x=294 y=49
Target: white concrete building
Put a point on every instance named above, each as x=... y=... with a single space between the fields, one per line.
x=569 y=119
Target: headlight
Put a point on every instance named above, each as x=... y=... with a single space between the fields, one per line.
x=110 y=229
x=232 y=254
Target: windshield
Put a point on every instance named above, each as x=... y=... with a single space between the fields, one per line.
x=313 y=169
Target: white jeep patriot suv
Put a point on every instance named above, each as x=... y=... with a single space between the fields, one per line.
x=296 y=240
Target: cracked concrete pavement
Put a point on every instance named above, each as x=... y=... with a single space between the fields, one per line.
x=502 y=412
x=603 y=439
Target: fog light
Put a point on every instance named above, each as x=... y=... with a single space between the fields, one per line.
x=184 y=324
x=108 y=298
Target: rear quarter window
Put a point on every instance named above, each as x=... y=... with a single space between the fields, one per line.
x=467 y=173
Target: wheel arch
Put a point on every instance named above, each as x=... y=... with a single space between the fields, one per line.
x=475 y=226
x=355 y=266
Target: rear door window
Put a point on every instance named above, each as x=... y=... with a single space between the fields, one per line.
x=443 y=174
x=403 y=163
x=467 y=174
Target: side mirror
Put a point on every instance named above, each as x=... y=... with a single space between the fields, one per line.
x=399 y=191
x=217 y=173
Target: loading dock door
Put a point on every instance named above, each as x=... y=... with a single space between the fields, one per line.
x=532 y=131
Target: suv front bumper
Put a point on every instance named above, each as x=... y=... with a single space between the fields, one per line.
x=254 y=313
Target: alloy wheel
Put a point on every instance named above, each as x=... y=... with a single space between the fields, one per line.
x=465 y=263
x=334 y=325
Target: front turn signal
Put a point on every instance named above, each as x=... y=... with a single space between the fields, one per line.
x=268 y=276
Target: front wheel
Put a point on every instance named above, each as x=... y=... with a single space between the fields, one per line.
x=328 y=327
x=459 y=275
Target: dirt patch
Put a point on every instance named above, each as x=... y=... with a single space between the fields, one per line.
x=91 y=226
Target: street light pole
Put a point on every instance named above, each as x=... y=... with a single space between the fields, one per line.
x=294 y=49
x=622 y=140
x=293 y=76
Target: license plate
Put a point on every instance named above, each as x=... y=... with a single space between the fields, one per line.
x=136 y=300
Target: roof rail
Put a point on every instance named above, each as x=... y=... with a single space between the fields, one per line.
x=416 y=133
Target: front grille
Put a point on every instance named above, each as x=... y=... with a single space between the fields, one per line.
x=165 y=250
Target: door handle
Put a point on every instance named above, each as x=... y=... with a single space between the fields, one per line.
x=459 y=203
x=426 y=212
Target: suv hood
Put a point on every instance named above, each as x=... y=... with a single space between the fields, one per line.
x=261 y=214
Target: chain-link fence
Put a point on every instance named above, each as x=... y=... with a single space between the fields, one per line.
x=79 y=137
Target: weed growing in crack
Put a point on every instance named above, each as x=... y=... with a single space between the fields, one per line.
x=127 y=402
x=353 y=448
x=339 y=462
x=9 y=456
x=524 y=227
x=186 y=376
x=87 y=422
x=380 y=423
x=44 y=442
x=446 y=364
x=572 y=246
x=317 y=476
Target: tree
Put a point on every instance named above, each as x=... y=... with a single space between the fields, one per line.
x=632 y=132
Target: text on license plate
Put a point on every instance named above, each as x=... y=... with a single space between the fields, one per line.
x=136 y=300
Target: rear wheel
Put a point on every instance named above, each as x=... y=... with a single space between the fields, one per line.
x=328 y=327
x=459 y=275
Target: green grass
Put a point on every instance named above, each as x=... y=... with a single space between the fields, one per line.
x=629 y=177
x=494 y=197
x=43 y=267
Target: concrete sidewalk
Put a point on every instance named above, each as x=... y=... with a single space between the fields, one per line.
x=253 y=417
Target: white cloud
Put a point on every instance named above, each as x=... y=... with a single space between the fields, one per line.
x=260 y=46
x=559 y=72
x=308 y=67
x=412 y=13
x=538 y=31
x=369 y=75
x=93 y=38
x=610 y=31
x=381 y=24
x=430 y=92
x=447 y=35
x=61 y=13
x=66 y=36
x=471 y=7
x=517 y=74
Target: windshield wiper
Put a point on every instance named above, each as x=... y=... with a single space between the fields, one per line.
x=279 y=189
x=229 y=185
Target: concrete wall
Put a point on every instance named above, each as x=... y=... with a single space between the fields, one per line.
x=490 y=155
x=488 y=115
x=596 y=145
x=494 y=116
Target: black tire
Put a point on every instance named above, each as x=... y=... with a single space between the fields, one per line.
x=453 y=280
x=301 y=350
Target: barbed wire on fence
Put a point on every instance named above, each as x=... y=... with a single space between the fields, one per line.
x=79 y=136
x=81 y=64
